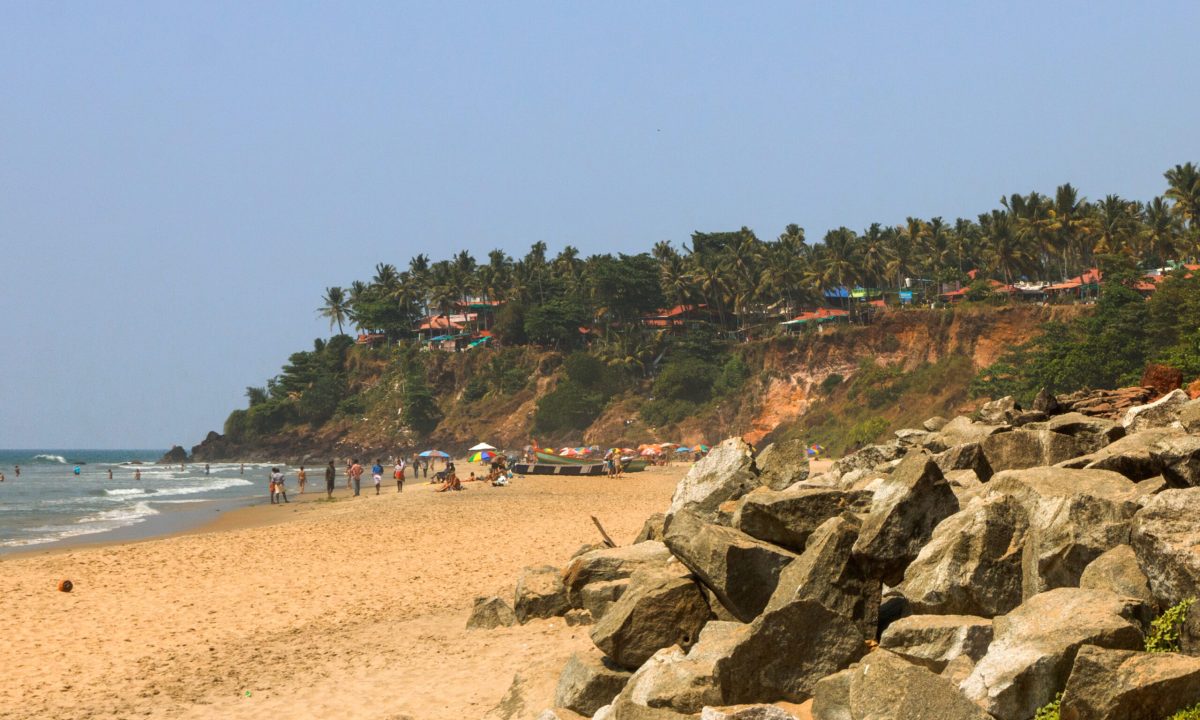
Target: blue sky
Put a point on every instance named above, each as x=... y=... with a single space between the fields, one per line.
x=179 y=182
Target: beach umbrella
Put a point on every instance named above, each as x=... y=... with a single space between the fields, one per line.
x=682 y=449
x=434 y=453
x=669 y=445
x=651 y=451
x=702 y=447
x=482 y=456
x=481 y=446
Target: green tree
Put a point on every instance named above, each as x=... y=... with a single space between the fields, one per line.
x=336 y=307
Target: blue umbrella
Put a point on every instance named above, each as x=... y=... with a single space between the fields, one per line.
x=434 y=453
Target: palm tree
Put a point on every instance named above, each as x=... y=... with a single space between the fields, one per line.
x=1007 y=250
x=1116 y=220
x=1160 y=232
x=1184 y=192
x=1070 y=223
x=336 y=307
x=874 y=255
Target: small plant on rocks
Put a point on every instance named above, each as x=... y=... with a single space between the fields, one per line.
x=1164 y=631
x=1049 y=711
x=1188 y=713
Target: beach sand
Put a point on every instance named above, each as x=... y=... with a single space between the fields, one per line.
x=350 y=609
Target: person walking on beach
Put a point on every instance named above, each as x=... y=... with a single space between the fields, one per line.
x=399 y=473
x=377 y=474
x=301 y=479
x=277 y=481
x=356 y=472
x=330 y=478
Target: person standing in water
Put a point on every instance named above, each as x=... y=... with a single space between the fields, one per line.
x=330 y=479
x=137 y=474
x=301 y=479
x=17 y=470
x=243 y=470
x=110 y=473
x=205 y=468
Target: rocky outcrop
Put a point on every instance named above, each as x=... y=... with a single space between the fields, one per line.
x=935 y=640
x=588 y=683
x=783 y=464
x=1111 y=404
x=1163 y=412
x=886 y=686
x=740 y=570
x=539 y=594
x=1164 y=538
x=608 y=564
x=490 y=612
x=972 y=564
x=652 y=529
x=788 y=517
x=656 y=611
x=1035 y=645
x=905 y=508
x=174 y=456
x=1126 y=685
x=1021 y=449
x=1133 y=456
x=680 y=682
x=726 y=473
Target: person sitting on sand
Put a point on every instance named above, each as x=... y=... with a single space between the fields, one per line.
x=452 y=483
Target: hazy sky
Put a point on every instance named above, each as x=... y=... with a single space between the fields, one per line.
x=179 y=182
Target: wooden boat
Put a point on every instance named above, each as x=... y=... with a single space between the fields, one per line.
x=552 y=459
x=558 y=469
x=636 y=465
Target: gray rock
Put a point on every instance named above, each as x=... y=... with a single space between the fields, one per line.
x=1189 y=416
x=962 y=430
x=578 y=616
x=1132 y=456
x=726 y=473
x=785 y=651
x=972 y=564
x=935 y=423
x=1163 y=412
x=905 y=509
x=657 y=611
x=827 y=572
x=1000 y=411
x=885 y=686
x=588 y=683
x=1030 y=657
x=1046 y=402
x=598 y=597
x=1021 y=449
x=491 y=612
x=1164 y=539
x=935 y=640
x=868 y=458
x=968 y=456
x=539 y=594
x=788 y=517
x=611 y=564
x=652 y=529
x=560 y=714
x=1126 y=685
x=683 y=682
x=742 y=571
x=514 y=704
x=1117 y=571
x=1074 y=517
x=911 y=437
x=1179 y=457
x=1095 y=432
x=783 y=464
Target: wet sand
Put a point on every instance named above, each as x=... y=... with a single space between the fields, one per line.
x=354 y=608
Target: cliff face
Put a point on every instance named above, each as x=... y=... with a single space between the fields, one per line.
x=840 y=387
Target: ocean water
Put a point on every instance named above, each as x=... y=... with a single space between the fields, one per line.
x=50 y=503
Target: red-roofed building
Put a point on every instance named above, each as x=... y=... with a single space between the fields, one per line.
x=678 y=316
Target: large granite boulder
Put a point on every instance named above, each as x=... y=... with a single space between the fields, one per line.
x=726 y=473
x=539 y=594
x=968 y=456
x=962 y=430
x=1110 y=404
x=867 y=458
x=657 y=610
x=885 y=686
x=747 y=712
x=1167 y=545
x=785 y=651
x=906 y=507
x=611 y=564
x=742 y=571
x=828 y=573
x=1001 y=411
x=1163 y=412
x=589 y=682
x=1094 y=432
x=1117 y=571
x=652 y=529
x=1133 y=456
x=683 y=682
x=935 y=640
x=1074 y=517
x=490 y=612
x=1179 y=457
x=782 y=464
x=1034 y=646
x=972 y=564
x=596 y=598
x=788 y=517
x=1021 y=449
x=934 y=424
x=1128 y=685
x=1189 y=416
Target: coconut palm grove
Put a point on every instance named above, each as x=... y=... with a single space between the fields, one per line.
x=670 y=321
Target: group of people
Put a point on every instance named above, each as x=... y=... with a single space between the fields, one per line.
x=498 y=475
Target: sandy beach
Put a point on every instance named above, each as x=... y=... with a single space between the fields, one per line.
x=354 y=608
